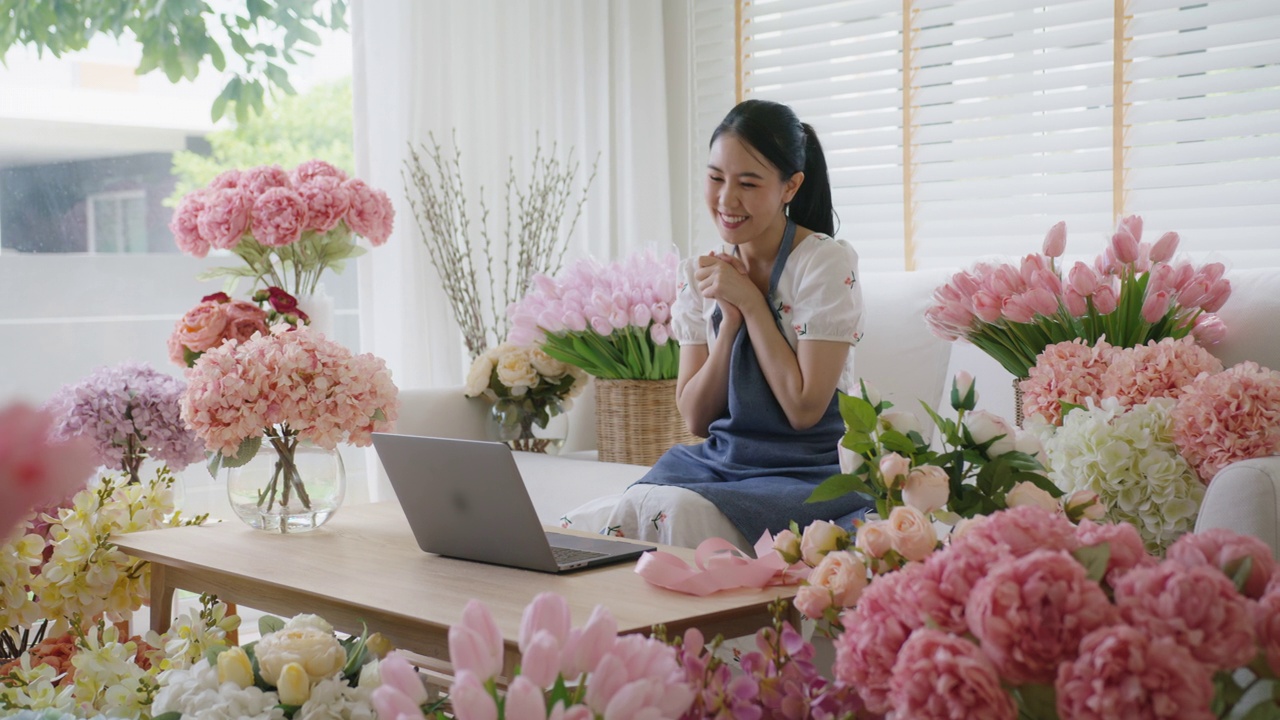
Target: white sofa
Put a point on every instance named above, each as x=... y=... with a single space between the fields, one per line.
x=907 y=364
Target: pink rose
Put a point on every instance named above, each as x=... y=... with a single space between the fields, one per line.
x=1122 y=672
x=812 y=601
x=327 y=202
x=939 y=676
x=1226 y=550
x=787 y=545
x=927 y=488
x=873 y=538
x=201 y=328
x=279 y=217
x=1028 y=493
x=1196 y=607
x=843 y=575
x=185 y=224
x=1030 y=614
x=820 y=538
x=225 y=217
x=244 y=319
x=911 y=533
x=1083 y=505
x=892 y=468
x=988 y=427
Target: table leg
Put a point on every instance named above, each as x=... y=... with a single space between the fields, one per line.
x=233 y=636
x=161 y=599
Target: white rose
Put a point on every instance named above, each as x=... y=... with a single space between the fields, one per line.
x=318 y=652
x=516 y=371
x=984 y=426
x=580 y=379
x=547 y=366
x=902 y=421
x=479 y=375
x=849 y=460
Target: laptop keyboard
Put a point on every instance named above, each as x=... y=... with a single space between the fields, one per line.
x=570 y=556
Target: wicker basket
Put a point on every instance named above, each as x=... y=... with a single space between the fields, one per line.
x=637 y=420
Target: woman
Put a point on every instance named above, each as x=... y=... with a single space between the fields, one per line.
x=766 y=329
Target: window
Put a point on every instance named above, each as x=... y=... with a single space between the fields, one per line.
x=118 y=222
x=959 y=128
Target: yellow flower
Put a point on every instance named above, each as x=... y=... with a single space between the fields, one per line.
x=294 y=685
x=234 y=666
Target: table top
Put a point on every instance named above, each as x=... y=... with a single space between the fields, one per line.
x=366 y=557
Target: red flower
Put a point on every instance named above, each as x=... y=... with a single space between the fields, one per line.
x=281 y=301
x=219 y=297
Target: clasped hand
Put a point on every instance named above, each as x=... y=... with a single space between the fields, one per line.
x=723 y=277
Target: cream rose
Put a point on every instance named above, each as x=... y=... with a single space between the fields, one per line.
x=927 y=488
x=843 y=574
x=820 y=538
x=787 y=545
x=1084 y=505
x=547 y=366
x=516 y=371
x=478 y=377
x=911 y=533
x=873 y=539
x=812 y=601
x=1026 y=493
x=317 y=651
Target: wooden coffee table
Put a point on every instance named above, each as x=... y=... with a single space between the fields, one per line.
x=364 y=569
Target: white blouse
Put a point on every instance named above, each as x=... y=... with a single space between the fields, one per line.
x=818 y=298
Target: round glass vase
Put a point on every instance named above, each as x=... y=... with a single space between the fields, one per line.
x=515 y=422
x=287 y=488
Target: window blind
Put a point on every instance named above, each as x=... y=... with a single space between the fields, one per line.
x=961 y=128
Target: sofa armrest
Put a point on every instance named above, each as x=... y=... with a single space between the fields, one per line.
x=1245 y=497
x=442 y=412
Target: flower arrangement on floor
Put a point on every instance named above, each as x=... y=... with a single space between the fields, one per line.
x=218 y=318
x=60 y=566
x=613 y=321
x=527 y=388
x=130 y=412
x=297 y=669
x=1027 y=616
x=36 y=470
x=1146 y=428
x=288 y=387
x=481 y=279
x=288 y=227
x=1133 y=292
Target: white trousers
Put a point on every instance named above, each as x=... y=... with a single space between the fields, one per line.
x=667 y=514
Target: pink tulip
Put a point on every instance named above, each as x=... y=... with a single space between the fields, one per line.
x=541 y=659
x=640 y=316
x=987 y=306
x=1031 y=265
x=1055 y=241
x=1124 y=247
x=1016 y=309
x=391 y=703
x=1047 y=280
x=1209 y=329
x=1161 y=278
x=600 y=324
x=548 y=612
x=1104 y=300
x=1155 y=307
x=1217 y=297
x=1106 y=263
x=1183 y=272
x=470 y=699
x=475 y=644
x=660 y=334
x=608 y=677
x=1212 y=272
x=577 y=712
x=1194 y=293
x=966 y=283
x=1164 y=248
x=549 y=321
x=586 y=645
x=619 y=318
x=525 y=701
x=1132 y=225
x=1006 y=282
x=399 y=675
x=574 y=321
x=1143 y=263
x=1041 y=301
x=661 y=312
x=1075 y=302
x=1083 y=279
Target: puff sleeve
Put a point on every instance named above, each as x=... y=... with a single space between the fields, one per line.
x=688 y=318
x=828 y=296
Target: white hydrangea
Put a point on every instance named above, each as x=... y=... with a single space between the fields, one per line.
x=1130 y=461
x=196 y=693
x=333 y=699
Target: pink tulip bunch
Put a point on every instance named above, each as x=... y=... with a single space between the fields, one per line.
x=35 y=470
x=613 y=321
x=288 y=226
x=1132 y=293
x=1026 y=613
x=566 y=673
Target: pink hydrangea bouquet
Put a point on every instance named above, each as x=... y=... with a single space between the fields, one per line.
x=613 y=321
x=1132 y=293
x=129 y=412
x=34 y=468
x=1024 y=615
x=288 y=386
x=288 y=227
x=218 y=318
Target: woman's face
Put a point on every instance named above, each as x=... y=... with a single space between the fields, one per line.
x=744 y=193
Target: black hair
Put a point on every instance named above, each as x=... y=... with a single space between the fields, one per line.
x=791 y=146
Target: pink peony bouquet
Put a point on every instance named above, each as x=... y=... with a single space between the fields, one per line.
x=288 y=227
x=287 y=386
x=218 y=318
x=613 y=321
x=35 y=469
x=1024 y=615
x=1134 y=292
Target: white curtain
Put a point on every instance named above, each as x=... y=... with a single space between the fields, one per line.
x=581 y=74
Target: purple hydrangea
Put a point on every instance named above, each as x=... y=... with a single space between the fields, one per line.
x=130 y=412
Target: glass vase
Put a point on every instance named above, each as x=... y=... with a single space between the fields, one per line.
x=288 y=486
x=517 y=422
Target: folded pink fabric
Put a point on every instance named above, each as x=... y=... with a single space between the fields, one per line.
x=720 y=566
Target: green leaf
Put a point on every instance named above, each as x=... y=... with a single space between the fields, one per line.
x=248 y=448
x=839 y=486
x=1239 y=572
x=171 y=715
x=1037 y=701
x=897 y=442
x=1094 y=558
x=212 y=652
x=268 y=624
x=356 y=653
x=857 y=413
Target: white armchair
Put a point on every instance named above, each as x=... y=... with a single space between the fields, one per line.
x=1245 y=497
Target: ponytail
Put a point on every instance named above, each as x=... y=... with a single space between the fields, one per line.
x=791 y=146
x=811 y=206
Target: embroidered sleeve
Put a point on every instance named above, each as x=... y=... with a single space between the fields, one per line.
x=688 y=323
x=828 y=296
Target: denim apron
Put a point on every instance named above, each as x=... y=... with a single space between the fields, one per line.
x=754 y=466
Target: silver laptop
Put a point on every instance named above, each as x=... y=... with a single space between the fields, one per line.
x=466 y=499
